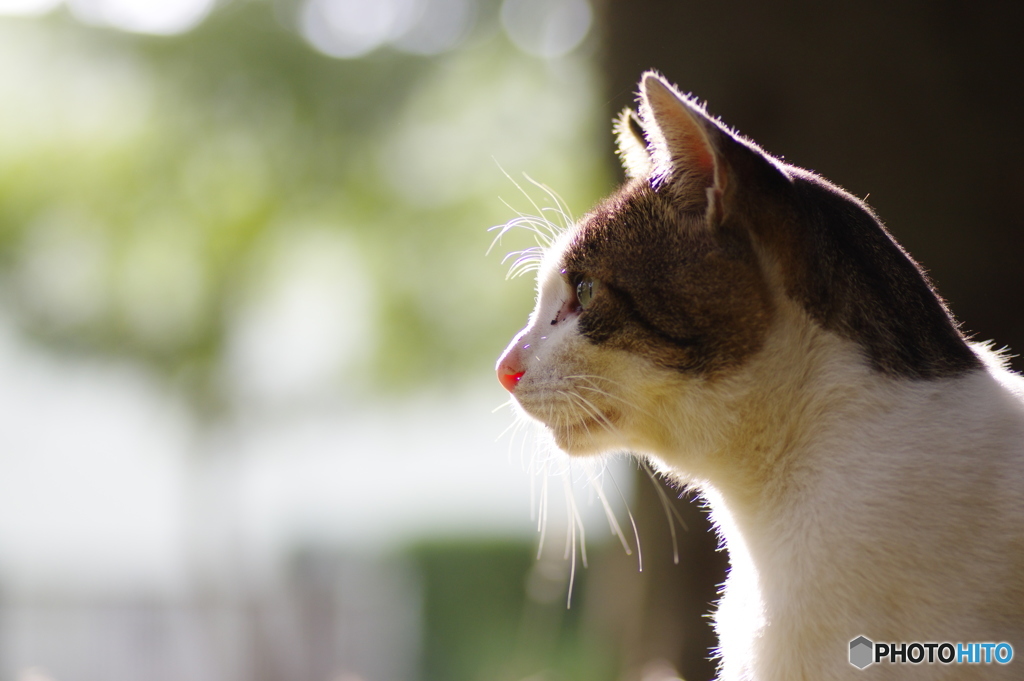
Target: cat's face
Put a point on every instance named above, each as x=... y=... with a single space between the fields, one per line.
x=638 y=300
x=712 y=270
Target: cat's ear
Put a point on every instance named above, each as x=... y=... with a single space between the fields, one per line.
x=685 y=147
x=632 y=144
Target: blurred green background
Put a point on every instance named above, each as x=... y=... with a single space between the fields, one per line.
x=247 y=324
x=178 y=183
x=248 y=314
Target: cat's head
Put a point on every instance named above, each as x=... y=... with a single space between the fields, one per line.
x=667 y=295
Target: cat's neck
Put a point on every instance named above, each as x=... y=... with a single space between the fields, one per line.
x=827 y=465
x=755 y=434
x=775 y=442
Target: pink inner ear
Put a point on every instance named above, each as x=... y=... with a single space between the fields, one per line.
x=703 y=158
x=678 y=146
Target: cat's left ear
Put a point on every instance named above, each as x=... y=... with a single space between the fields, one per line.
x=632 y=144
x=686 y=148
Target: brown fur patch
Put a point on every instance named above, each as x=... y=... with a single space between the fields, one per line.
x=685 y=297
x=852 y=277
x=837 y=260
x=843 y=267
x=696 y=299
x=682 y=278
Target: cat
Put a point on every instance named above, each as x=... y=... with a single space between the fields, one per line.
x=756 y=334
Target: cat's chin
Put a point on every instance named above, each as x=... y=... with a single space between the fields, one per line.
x=578 y=439
x=577 y=433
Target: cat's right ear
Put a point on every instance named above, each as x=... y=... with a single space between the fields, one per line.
x=694 y=158
x=632 y=144
x=685 y=148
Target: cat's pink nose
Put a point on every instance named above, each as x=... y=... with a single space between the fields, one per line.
x=510 y=369
x=509 y=381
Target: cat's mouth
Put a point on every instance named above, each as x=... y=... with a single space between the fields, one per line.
x=583 y=433
x=580 y=424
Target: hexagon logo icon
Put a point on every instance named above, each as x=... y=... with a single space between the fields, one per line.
x=861 y=650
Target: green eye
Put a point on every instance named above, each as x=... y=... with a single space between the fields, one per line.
x=585 y=292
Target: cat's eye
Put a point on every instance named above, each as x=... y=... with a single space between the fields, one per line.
x=585 y=292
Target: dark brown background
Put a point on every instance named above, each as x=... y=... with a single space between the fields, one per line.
x=916 y=105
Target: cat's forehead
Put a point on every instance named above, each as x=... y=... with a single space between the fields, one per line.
x=685 y=297
x=634 y=228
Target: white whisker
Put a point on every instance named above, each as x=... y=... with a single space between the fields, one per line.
x=560 y=206
x=514 y=426
x=544 y=230
x=522 y=447
x=507 y=403
x=593 y=378
x=582 y=404
x=613 y=522
x=632 y=521
x=552 y=228
x=597 y=413
x=542 y=516
x=574 y=521
x=579 y=522
x=669 y=510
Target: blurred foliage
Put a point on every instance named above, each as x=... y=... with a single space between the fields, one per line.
x=263 y=224
x=155 y=193
x=481 y=624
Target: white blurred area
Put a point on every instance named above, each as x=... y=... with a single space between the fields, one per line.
x=158 y=17
x=353 y=28
x=102 y=470
x=547 y=28
x=122 y=518
x=122 y=513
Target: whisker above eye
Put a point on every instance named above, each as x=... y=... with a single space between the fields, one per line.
x=561 y=208
x=540 y=227
x=533 y=252
x=527 y=260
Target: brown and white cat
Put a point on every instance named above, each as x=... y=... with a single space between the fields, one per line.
x=756 y=333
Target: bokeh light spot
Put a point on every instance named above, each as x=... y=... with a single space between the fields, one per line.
x=27 y=7
x=547 y=28
x=161 y=17
x=438 y=26
x=351 y=28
